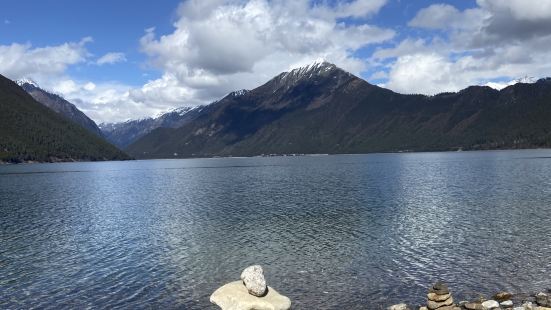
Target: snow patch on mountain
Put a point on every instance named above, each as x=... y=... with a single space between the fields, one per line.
x=24 y=81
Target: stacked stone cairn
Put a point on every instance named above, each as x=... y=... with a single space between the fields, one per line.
x=439 y=297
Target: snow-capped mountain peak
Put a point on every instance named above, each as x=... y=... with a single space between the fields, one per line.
x=238 y=93
x=24 y=81
x=319 y=66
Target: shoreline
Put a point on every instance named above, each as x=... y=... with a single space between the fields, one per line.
x=350 y=154
x=272 y=155
x=439 y=297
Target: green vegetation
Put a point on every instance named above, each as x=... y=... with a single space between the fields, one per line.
x=30 y=131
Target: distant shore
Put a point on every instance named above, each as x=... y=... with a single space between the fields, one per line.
x=69 y=160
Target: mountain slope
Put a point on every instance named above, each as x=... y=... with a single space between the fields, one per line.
x=30 y=131
x=59 y=105
x=123 y=134
x=323 y=109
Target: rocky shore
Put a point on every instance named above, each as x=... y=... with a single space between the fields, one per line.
x=251 y=293
x=439 y=297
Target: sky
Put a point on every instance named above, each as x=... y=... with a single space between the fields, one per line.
x=120 y=60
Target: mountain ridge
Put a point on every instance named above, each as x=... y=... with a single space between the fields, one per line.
x=30 y=131
x=124 y=133
x=59 y=105
x=321 y=108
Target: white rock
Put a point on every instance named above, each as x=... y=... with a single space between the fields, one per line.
x=253 y=278
x=398 y=307
x=234 y=296
x=507 y=303
x=528 y=306
x=490 y=304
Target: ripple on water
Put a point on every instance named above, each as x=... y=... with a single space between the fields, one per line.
x=333 y=232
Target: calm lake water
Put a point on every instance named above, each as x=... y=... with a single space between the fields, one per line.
x=332 y=232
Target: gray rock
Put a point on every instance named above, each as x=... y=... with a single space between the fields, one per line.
x=543 y=300
x=432 y=305
x=439 y=288
x=490 y=304
x=452 y=307
x=436 y=297
x=473 y=306
x=234 y=296
x=253 y=278
x=528 y=306
x=502 y=296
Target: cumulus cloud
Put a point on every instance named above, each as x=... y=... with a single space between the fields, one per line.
x=23 y=60
x=111 y=58
x=103 y=102
x=423 y=73
x=219 y=46
x=497 y=40
x=357 y=9
x=216 y=46
x=445 y=16
x=519 y=9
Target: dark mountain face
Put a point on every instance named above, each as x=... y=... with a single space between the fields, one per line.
x=29 y=131
x=124 y=134
x=59 y=105
x=323 y=109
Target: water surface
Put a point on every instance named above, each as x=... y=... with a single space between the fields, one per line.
x=332 y=232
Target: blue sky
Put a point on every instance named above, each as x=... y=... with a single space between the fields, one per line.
x=118 y=60
x=113 y=25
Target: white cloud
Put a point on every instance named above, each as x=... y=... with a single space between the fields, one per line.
x=498 y=40
x=405 y=47
x=532 y=10
x=111 y=58
x=500 y=85
x=445 y=16
x=436 y=16
x=435 y=72
x=379 y=75
x=220 y=46
x=426 y=74
x=358 y=8
x=89 y=86
x=217 y=46
x=103 y=102
x=22 y=60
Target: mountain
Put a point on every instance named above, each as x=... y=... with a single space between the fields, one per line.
x=125 y=133
x=321 y=108
x=30 y=131
x=59 y=105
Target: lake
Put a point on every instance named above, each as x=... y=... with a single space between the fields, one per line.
x=332 y=232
